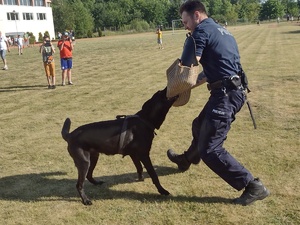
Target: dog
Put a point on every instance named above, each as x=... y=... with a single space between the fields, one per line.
x=126 y=135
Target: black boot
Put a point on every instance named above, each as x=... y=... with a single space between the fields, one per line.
x=255 y=190
x=181 y=161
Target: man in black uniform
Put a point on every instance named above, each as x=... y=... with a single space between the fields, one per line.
x=217 y=51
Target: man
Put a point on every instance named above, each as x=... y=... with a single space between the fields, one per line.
x=217 y=51
x=20 y=41
x=3 y=47
x=66 y=47
x=47 y=51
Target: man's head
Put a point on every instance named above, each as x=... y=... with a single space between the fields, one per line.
x=46 y=38
x=192 y=13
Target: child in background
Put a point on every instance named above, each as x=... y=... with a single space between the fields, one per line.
x=159 y=38
x=47 y=51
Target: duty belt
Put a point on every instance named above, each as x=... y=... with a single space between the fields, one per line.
x=216 y=85
x=232 y=82
x=227 y=83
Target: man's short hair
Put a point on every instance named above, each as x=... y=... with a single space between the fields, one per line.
x=191 y=6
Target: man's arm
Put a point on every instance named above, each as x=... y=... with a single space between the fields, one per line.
x=71 y=44
x=7 y=45
x=60 y=45
x=53 y=50
x=201 y=76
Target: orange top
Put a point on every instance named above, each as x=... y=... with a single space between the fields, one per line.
x=66 y=51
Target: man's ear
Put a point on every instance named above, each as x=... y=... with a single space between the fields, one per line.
x=197 y=15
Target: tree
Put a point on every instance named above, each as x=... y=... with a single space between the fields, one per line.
x=72 y=15
x=63 y=16
x=89 y=4
x=153 y=11
x=215 y=7
x=83 y=20
x=271 y=9
x=252 y=11
x=173 y=12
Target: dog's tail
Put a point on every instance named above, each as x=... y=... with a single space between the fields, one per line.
x=66 y=129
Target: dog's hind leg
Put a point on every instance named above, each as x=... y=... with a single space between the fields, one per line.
x=149 y=167
x=82 y=162
x=94 y=156
x=138 y=166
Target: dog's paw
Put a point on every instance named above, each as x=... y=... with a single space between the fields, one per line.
x=140 y=178
x=99 y=182
x=87 y=202
x=164 y=192
x=95 y=182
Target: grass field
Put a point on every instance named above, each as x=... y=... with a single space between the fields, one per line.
x=116 y=75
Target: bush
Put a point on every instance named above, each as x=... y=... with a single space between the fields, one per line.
x=47 y=34
x=89 y=34
x=139 y=25
x=31 y=38
x=40 y=37
x=99 y=32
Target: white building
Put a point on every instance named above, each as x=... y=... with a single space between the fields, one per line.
x=21 y=16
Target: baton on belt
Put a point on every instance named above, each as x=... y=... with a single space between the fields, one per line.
x=251 y=113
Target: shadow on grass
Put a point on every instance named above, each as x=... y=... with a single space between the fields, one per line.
x=293 y=32
x=48 y=187
x=22 y=88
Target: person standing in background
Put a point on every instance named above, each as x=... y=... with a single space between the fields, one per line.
x=47 y=51
x=20 y=41
x=159 y=38
x=66 y=47
x=3 y=47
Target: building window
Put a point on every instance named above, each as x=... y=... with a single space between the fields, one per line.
x=41 y=16
x=27 y=16
x=12 y=16
x=39 y=3
x=10 y=2
x=25 y=2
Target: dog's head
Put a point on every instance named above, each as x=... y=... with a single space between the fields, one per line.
x=156 y=108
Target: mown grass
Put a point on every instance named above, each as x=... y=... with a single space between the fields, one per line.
x=116 y=75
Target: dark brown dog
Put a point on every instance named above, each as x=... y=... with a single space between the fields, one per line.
x=129 y=135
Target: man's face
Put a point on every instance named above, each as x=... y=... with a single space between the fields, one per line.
x=189 y=21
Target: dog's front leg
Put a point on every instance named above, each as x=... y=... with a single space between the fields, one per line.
x=138 y=166
x=149 y=167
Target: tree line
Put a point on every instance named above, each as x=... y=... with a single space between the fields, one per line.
x=89 y=16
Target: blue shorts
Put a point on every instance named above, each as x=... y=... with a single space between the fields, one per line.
x=3 y=53
x=66 y=63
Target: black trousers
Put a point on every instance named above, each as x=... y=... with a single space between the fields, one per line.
x=210 y=130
